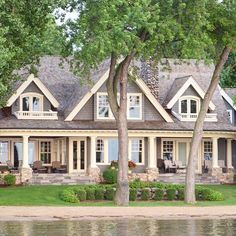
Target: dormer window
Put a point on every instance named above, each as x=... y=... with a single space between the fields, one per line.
x=189 y=107
x=31 y=102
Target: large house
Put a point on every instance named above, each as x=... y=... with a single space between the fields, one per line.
x=55 y=116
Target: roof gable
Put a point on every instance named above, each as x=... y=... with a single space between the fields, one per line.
x=227 y=97
x=39 y=84
x=178 y=88
x=141 y=84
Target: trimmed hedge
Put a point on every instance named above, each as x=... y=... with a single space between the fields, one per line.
x=165 y=192
x=9 y=179
x=110 y=175
x=132 y=194
x=158 y=194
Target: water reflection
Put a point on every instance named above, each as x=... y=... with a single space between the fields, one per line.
x=121 y=227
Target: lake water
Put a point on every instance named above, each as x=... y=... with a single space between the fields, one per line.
x=121 y=227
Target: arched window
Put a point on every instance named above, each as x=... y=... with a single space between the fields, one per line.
x=31 y=102
x=189 y=107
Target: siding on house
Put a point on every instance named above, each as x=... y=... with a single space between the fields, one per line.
x=229 y=107
x=87 y=112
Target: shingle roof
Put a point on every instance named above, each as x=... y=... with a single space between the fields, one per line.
x=231 y=92
x=68 y=90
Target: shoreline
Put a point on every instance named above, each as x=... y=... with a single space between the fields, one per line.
x=43 y=213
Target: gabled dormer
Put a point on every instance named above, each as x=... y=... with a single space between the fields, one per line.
x=32 y=100
x=184 y=100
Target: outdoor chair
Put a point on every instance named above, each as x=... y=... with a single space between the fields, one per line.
x=38 y=167
x=11 y=167
x=169 y=166
x=57 y=168
x=221 y=164
x=161 y=165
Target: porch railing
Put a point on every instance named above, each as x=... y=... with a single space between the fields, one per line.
x=44 y=115
x=192 y=117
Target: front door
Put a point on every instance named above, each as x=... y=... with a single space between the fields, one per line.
x=79 y=155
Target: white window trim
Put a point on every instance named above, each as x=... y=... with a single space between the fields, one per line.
x=111 y=116
x=188 y=114
x=8 y=151
x=52 y=151
x=168 y=139
x=105 y=141
x=31 y=95
x=230 y=115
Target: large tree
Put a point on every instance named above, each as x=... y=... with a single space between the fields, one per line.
x=222 y=17
x=26 y=31
x=126 y=30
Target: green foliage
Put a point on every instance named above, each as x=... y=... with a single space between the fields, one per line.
x=99 y=194
x=110 y=175
x=9 y=179
x=69 y=195
x=145 y=194
x=132 y=194
x=90 y=194
x=180 y=194
x=110 y=194
x=207 y=194
x=139 y=184
x=81 y=194
x=171 y=194
x=159 y=194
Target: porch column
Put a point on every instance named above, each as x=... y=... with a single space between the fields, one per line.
x=93 y=152
x=229 y=153
x=152 y=152
x=25 y=160
x=215 y=153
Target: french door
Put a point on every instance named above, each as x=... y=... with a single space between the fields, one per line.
x=78 y=155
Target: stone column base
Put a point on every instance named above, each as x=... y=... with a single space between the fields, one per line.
x=216 y=171
x=95 y=173
x=152 y=174
x=25 y=174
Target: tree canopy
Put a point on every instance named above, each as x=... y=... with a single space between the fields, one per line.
x=27 y=31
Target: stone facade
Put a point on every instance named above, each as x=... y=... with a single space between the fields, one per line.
x=95 y=173
x=25 y=174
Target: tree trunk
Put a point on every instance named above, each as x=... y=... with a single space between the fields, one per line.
x=198 y=129
x=120 y=75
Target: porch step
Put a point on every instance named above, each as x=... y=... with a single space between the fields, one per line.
x=60 y=179
x=180 y=178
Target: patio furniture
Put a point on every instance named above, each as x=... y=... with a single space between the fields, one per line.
x=161 y=165
x=180 y=167
x=11 y=167
x=221 y=164
x=57 y=167
x=38 y=167
x=170 y=166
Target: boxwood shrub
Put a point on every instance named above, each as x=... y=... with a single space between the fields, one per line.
x=145 y=194
x=110 y=175
x=69 y=195
x=110 y=194
x=158 y=194
x=171 y=194
x=99 y=194
x=132 y=194
x=81 y=194
x=9 y=179
x=90 y=194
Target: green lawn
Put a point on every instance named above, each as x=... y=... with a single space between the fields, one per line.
x=49 y=196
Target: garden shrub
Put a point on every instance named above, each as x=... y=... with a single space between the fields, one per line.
x=159 y=194
x=9 y=179
x=110 y=194
x=139 y=184
x=206 y=194
x=132 y=194
x=99 y=194
x=110 y=175
x=90 y=194
x=145 y=194
x=180 y=194
x=81 y=194
x=171 y=194
x=68 y=195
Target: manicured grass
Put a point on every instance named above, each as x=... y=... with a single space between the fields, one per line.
x=49 y=196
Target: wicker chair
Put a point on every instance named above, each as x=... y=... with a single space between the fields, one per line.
x=57 y=168
x=38 y=167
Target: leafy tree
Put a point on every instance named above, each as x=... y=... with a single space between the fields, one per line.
x=222 y=18
x=23 y=25
x=228 y=76
x=126 y=30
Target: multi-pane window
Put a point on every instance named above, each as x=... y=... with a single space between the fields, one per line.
x=184 y=106
x=134 y=106
x=45 y=152
x=100 y=151
x=168 y=150
x=3 y=152
x=207 y=150
x=31 y=102
x=136 y=150
x=103 y=107
x=189 y=105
